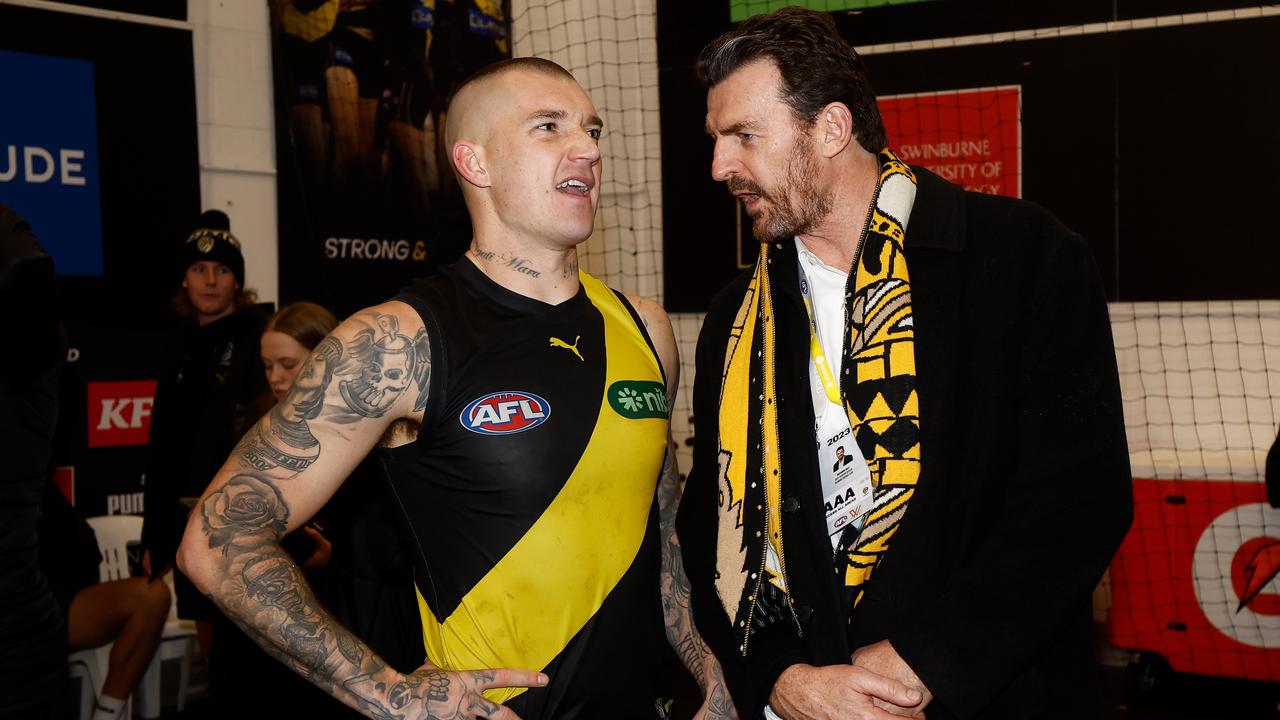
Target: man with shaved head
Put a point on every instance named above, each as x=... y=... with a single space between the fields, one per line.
x=520 y=407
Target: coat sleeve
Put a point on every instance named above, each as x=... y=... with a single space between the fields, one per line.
x=28 y=301
x=161 y=514
x=1272 y=477
x=1066 y=503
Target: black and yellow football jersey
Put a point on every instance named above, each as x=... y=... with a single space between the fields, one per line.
x=530 y=492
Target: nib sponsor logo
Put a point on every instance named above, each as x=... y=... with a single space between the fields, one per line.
x=505 y=413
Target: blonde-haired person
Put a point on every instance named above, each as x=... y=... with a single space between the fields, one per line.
x=288 y=340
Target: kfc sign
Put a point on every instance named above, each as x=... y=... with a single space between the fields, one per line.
x=120 y=412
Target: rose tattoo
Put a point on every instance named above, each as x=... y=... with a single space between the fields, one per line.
x=245 y=512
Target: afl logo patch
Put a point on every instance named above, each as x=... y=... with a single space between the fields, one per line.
x=505 y=413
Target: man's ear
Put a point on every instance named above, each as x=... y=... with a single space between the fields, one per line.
x=835 y=129
x=468 y=160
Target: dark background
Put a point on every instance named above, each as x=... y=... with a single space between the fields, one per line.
x=150 y=193
x=1155 y=145
x=144 y=78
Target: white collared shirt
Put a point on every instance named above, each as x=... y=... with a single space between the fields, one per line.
x=826 y=289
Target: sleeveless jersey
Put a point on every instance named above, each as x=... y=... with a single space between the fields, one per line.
x=531 y=494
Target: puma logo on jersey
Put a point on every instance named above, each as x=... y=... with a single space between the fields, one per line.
x=557 y=342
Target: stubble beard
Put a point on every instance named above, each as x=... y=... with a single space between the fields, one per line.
x=800 y=204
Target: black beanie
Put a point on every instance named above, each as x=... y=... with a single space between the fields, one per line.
x=212 y=240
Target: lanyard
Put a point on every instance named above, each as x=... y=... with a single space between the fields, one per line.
x=816 y=352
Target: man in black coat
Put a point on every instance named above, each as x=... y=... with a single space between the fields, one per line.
x=33 y=658
x=952 y=573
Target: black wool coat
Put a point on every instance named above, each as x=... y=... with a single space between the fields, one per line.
x=1024 y=492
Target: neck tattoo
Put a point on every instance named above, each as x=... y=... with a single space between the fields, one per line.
x=519 y=264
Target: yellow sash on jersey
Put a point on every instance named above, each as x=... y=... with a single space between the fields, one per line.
x=555 y=578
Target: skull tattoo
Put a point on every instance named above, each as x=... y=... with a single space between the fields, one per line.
x=387 y=368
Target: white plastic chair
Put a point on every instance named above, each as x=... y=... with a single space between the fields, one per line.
x=89 y=669
x=178 y=641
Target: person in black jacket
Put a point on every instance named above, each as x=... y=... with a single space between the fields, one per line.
x=204 y=399
x=951 y=573
x=33 y=657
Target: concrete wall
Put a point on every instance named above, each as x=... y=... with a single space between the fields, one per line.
x=231 y=40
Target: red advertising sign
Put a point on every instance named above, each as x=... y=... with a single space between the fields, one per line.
x=64 y=477
x=120 y=412
x=972 y=138
x=1197 y=580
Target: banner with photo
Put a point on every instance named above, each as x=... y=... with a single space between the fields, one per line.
x=367 y=199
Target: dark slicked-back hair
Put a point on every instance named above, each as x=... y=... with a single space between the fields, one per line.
x=534 y=64
x=817 y=67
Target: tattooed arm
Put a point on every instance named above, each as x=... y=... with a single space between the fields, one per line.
x=373 y=370
x=681 y=633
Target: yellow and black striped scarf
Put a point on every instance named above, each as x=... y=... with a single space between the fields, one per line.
x=878 y=385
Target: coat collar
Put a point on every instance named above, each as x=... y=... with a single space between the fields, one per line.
x=937 y=218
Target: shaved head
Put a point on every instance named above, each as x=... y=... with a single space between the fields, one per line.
x=523 y=139
x=467 y=117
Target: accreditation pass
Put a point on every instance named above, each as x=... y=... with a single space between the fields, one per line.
x=846 y=481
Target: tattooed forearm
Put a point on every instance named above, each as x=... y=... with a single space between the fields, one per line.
x=350 y=649
x=262 y=589
x=677 y=611
x=718 y=703
x=675 y=585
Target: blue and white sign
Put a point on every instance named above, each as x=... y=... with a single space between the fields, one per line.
x=49 y=156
